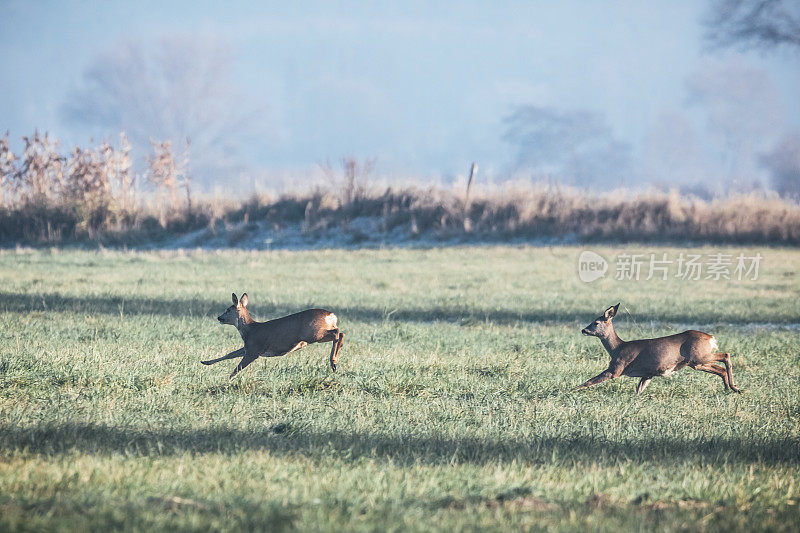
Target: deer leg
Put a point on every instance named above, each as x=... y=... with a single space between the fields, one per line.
x=725 y=358
x=297 y=346
x=246 y=360
x=233 y=354
x=333 y=335
x=714 y=369
x=335 y=347
x=642 y=385
x=340 y=343
x=599 y=378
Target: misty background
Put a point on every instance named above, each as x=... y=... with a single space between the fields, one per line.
x=591 y=94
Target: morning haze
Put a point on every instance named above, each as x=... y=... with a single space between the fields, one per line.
x=309 y=266
x=424 y=89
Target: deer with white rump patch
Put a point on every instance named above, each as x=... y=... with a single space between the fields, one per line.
x=647 y=358
x=280 y=336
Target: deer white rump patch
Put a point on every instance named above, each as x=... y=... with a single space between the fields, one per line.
x=330 y=321
x=713 y=342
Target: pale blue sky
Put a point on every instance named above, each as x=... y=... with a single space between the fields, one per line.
x=423 y=86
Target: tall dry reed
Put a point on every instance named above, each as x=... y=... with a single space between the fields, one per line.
x=92 y=195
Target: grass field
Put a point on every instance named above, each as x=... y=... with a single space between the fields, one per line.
x=451 y=409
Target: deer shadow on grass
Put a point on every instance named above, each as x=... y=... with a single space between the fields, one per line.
x=288 y=439
x=16 y=302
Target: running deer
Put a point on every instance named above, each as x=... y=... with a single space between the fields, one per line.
x=647 y=358
x=274 y=338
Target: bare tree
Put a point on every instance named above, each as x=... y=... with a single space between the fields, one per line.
x=178 y=88
x=753 y=23
x=783 y=163
x=671 y=153
x=575 y=145
x=744 y=115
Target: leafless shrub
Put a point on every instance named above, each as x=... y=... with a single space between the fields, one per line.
x=40 y=179
x=168 y=176
x=118 y=168
x=354 y=179
x=92 y=194
x=7 y=167
x=49 y=196
x=87 y=187
x=87 y=179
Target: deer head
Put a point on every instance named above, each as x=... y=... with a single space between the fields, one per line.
x=237 y=313
x=601 y=326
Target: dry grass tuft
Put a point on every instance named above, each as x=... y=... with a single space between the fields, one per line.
x=92 y=195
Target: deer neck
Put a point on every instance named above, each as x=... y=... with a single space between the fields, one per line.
x=243 y=324
x=611 y=342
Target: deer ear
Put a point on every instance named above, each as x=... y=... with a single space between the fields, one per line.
x=243 y=300
x=234 y=298
x=611 y=312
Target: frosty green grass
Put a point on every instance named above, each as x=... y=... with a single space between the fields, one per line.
x=451 y=409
